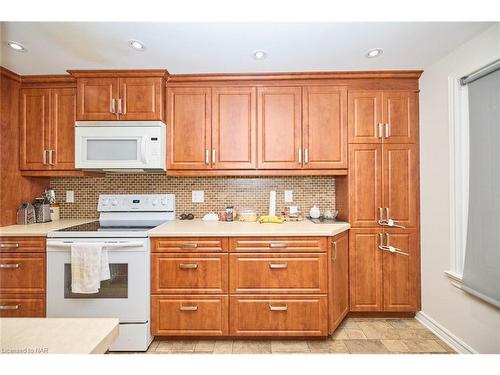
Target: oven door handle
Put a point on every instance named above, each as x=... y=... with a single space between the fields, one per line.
x=106 y=245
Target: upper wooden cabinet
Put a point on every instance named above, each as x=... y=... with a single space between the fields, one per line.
x=47 y=122
x=338 y=280
x=107 y=96
x=383 y=116
x=324 y=127
x=189 y=128
x=279 y=126
x=234 y=128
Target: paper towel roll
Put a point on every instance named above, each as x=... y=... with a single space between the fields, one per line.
x=272 y=203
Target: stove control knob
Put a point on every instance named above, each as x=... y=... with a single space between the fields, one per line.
x=164 y=201
x=105 y=202
x=154 y=202
x=115 y=202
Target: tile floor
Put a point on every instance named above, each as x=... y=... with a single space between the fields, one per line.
x=354 y=336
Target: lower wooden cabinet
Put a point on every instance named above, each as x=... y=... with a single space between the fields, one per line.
x=338 y=280
x=22 y=306
x=283 y=315
x=189 y=315
x=22 y=273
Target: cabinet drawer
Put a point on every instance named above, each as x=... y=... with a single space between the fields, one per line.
x=189 y=316
x=22 y=273
x=22 y=244
x=278 y=273
x=278 y=316
x=189 y=273
x=188 y=244
x=15 y=307
x=278 y=244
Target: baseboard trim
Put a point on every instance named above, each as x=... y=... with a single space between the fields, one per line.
x=449 y=338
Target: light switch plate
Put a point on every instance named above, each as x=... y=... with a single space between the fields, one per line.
x=288 y=196
x=70 y=196
x=198 y=196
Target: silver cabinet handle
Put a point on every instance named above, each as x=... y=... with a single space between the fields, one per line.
x=278 y=308
x=388 y=222
x=188 y=266
x=278 y=266
x=300 y=155
x=112 y=109
x=44 y=156
x=189 y=245
x=120 y=106
x=381 y=220
x=10 y=307
x=10 y=265
x=334 y=251
x=387 y=130
x=124 y=107
x=306 y=155
x=277 y=245
x=388 y=247
x=188 y=308
x=9 y=245
x=207 y=161
x=380 y=131
x=213 y=155
x=51 y=157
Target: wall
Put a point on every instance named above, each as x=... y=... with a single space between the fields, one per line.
x=14 y=188
x=249 y=192
x=470 y=320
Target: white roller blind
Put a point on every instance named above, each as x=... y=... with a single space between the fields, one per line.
x=482 y=257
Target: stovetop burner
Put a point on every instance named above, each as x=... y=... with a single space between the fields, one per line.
x=94 y=226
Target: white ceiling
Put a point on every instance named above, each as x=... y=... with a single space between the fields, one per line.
x=228 y=47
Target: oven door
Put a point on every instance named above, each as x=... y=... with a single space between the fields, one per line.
x=124 y=296
x=119 y=147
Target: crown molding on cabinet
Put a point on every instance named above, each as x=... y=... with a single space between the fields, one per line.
x=119 y=73
x=10 y=74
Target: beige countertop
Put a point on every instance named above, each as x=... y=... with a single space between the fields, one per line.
x=57 y=335
x=199 y=228
x=40 y=229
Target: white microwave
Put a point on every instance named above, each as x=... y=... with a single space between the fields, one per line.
x=120 y=146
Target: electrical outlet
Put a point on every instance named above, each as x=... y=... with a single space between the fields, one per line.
x=288 y=196
x=197 y=196
x=70 y=196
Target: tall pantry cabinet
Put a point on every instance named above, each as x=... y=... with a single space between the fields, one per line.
x=383 y=199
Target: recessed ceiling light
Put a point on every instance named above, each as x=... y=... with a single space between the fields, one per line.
x=137 y=45
x=18 y=47
x=259 y=55
x=374 y=52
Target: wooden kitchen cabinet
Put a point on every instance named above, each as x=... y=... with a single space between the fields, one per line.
x=400 y=113
x=189 y=128
x=365 y=115
x=338 y=280
x=97 y=99
x=189 y=244
x=279 y=127
x=141 y=98
x=324 y=127
x=47 y=127
x=234 y=128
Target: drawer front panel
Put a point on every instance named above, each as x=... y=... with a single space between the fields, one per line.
x=278 y=244
x=278 y=273
x=189 y=316
x=22 y=273
x=278 y=316
x=189 y=273
x=189 y=245
x=22 y=244
x=22 y=307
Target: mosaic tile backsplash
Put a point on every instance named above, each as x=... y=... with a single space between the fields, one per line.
x=240 y=192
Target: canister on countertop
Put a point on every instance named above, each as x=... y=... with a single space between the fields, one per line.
x=54 y=211
x=229 y=213
x=25 y=214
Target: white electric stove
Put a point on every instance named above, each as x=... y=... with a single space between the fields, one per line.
x=124 y=221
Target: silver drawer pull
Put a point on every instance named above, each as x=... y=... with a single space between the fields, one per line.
x=189 y=246
x=10 y=307
x=9 y=245
x=278 y=245
x=188 y=266
x=278 y=308
x=188 y=308
x=10 y=265
x=278 y=266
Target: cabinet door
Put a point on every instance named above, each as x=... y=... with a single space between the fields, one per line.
x=234 y=128
x=325 y=127
x=365 y=184
x=140 y=98
x=188 y=128
x=62 y=128
x=400 y=183
x=279 y=126
x=95 y=99
x=400 y=272
x=365 y=270
x=34 y=113
x=365 y=115
x=338 y=276
x=400 y=112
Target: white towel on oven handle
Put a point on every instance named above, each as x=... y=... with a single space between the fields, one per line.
x=89 y=266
